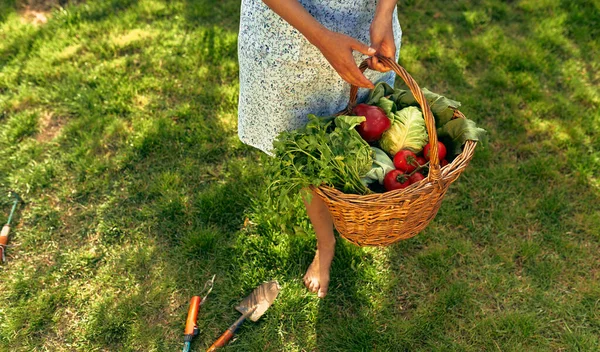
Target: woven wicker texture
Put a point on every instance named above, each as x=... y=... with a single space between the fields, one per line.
x=381 y=219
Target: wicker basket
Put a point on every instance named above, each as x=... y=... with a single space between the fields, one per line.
x=384 y=218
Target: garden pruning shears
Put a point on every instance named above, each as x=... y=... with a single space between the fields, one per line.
x=191 y=328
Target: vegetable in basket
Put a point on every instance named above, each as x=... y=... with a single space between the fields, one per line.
x=453 y=128
x=416 y=177
x=407 y=132
x=406 y=160
x=335 y=151
x=421 y=160
x=457 y=132
x=325 y=151
x=396 y=179
x=382 y=164
x=376 y=122
x=410 y=169
x=441 y=151
x=443 y=109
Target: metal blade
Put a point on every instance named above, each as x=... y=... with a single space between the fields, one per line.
x=262 y=297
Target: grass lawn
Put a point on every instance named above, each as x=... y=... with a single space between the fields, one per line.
x=118 y=128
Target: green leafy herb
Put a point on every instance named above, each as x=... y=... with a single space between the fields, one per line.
x=325 y=151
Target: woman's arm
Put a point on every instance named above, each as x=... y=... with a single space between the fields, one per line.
x=382 y=33
x=336 y=47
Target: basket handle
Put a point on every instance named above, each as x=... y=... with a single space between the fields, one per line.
x=434 y=161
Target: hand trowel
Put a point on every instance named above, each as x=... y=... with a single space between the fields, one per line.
x=252 y=307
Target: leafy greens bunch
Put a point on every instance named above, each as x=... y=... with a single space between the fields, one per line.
x=408 y=130
x=325 y=151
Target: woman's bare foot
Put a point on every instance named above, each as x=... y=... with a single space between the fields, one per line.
x=316 y=278
x=317 y=275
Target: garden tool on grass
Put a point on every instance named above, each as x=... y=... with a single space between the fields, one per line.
x=6 y=228
x=252 y=307
x=191 y=328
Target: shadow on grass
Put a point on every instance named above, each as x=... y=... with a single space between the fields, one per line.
x=347 y=318
x=154 y=201
x=21 y=46
x=7 y=7
x=224 y=14
x=514 y=221
x=156 y=215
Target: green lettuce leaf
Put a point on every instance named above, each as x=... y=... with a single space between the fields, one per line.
x=457 y=132
x=382 y=164
x=388 y=106
x=441 y=107
x=381 y=90
x=407 y=132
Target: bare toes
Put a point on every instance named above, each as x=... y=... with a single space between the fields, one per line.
x=323 y=288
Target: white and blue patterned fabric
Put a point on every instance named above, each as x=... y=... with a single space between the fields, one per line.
x=283 y=77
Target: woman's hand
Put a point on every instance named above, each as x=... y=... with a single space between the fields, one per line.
x=337 y=49
x=382 y=40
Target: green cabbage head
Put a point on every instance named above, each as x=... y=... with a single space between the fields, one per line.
x=407 y=132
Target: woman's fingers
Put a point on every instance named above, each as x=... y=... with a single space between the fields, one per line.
x=382 y=39
x=359 y=79
x=371 y=62
x=337 y=49
x=361 y=47
x=375 y=64
x=353 y=81
x=362 y=80
x=354 y=76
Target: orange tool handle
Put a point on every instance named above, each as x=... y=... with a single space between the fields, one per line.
x=221 y=341
x=190 y=323
x=228 y=334
x=3 y=241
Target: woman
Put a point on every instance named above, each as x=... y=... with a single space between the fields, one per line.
x=297 y=57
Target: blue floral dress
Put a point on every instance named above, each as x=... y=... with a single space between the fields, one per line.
x=283 y=77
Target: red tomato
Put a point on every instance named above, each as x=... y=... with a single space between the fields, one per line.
x=416 y=177
x=441 y=151
x=405 y=160
x=421 y=161
x=395 y=179
x=444 y=162
x=377 y=122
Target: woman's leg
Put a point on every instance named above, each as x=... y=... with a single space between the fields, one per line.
x=317 y=275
